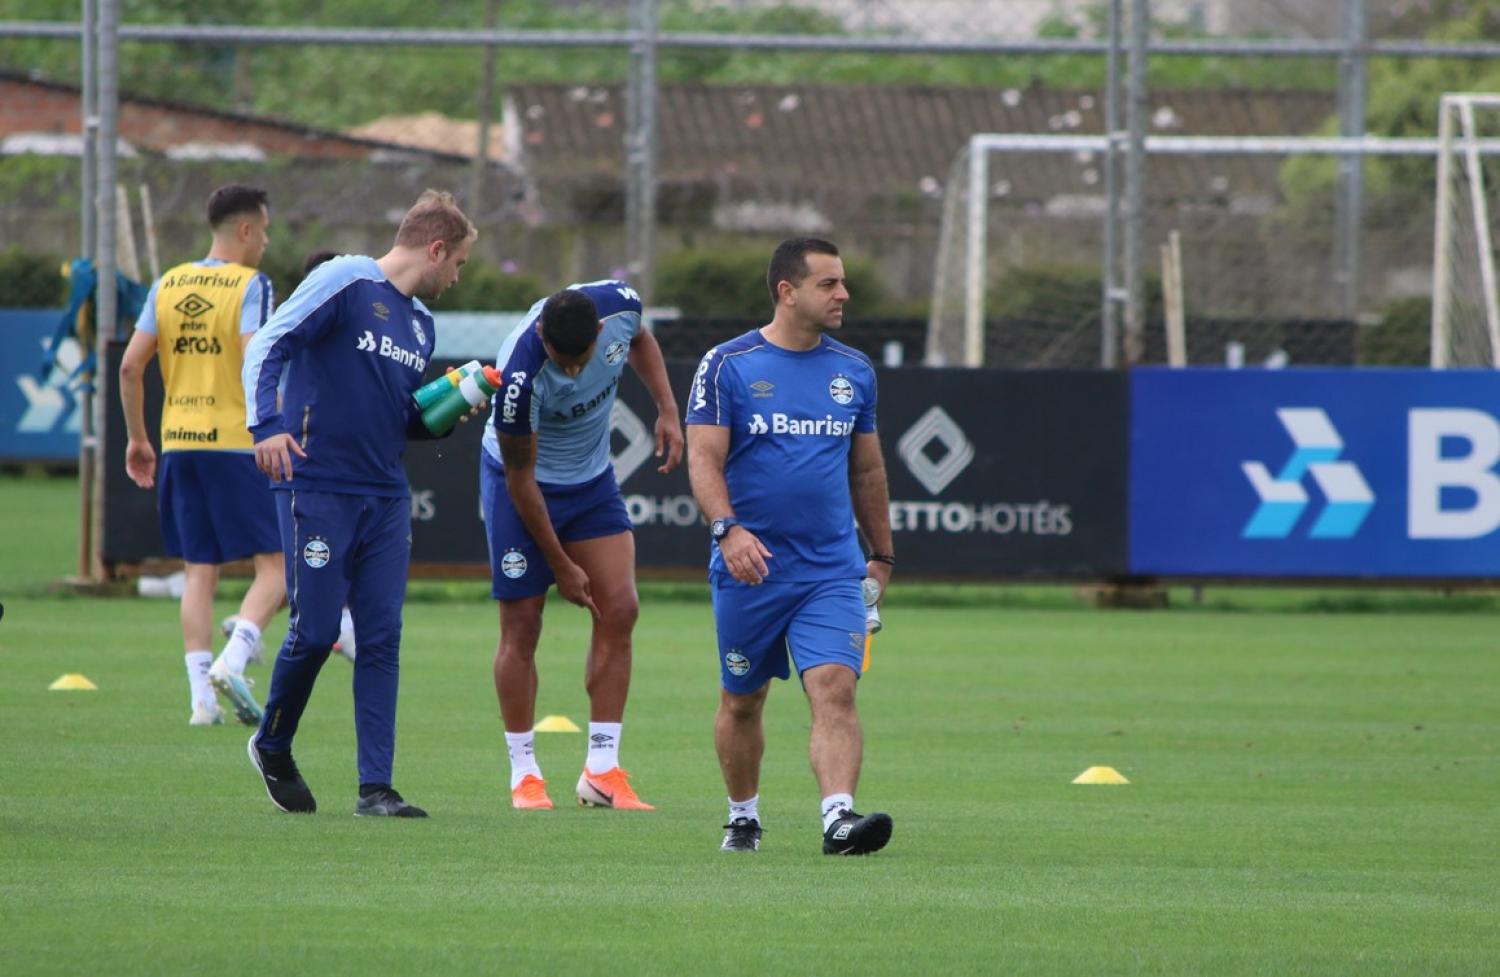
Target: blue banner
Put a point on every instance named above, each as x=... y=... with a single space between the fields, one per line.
x=39 y=419
x=1315 y=473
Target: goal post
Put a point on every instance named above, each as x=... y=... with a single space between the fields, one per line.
x=1049 y=185
x=1465 y=298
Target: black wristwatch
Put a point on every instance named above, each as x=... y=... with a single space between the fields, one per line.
x=720 y=528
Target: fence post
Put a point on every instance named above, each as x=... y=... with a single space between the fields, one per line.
x=486 y=110
x=1110 y=293
x=640 y=149
x=1135 y=185
x=1351 y=184
x=91 y=453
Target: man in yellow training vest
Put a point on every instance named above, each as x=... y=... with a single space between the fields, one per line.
x=215 y=505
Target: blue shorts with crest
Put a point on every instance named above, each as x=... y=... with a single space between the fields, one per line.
x=588 y=510
x=811 y=622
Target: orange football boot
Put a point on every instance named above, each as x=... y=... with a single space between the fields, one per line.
x=609 y=789
x=531 y=794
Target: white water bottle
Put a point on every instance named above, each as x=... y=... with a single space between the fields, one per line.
x=869 y=588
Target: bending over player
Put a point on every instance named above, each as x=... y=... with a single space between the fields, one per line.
x=553 y=513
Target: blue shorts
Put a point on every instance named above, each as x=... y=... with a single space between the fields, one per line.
x=585 y=511
x=818 y=622
x=215 y=506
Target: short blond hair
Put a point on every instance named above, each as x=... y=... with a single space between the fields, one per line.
x=435 y=217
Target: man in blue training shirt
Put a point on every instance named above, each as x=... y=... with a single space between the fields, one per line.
x=553 y=514
x=353 y=341
x=783 y=458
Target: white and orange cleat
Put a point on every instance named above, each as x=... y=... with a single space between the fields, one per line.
x=531 y=794
x=609 y=789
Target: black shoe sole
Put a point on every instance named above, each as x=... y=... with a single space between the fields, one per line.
x=255 y=762
x=871 y=836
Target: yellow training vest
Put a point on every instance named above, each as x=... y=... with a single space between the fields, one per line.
x=198 y=343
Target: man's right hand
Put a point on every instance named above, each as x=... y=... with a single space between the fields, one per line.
x=745 y=555
x=573 y=584
x=140 y=463
x=273 y=456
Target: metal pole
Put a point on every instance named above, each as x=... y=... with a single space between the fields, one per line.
x=89 y=128
x=978 y=258
x=1441 y=230
x=105 y=311
x=640 y=149
x=1109 y=338
x=486 y=113
x=1135 y=185
x=87 y=247
x=1350 y=204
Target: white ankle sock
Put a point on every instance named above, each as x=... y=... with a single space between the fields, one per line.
x=241 y=646
x=197 y=669
x=833 y=805
x=522 y=757
x=744 y=809
x=604 y=747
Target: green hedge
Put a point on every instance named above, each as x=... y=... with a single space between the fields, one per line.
x=1402 y=338
x=31 y=281
x=731 y=283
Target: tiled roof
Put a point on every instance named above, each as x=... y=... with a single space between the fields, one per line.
x=855 y=138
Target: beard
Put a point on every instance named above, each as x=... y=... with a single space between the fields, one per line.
x=428 y=289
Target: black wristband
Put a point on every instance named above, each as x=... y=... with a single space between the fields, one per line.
x=885 y=558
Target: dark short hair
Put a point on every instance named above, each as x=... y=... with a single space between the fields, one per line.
x=232 y=201
x=789 y=262
x=570 y=321
x=315 y=259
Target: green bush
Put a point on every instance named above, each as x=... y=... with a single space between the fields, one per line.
x=31 y=281
x=1403 y=337
x=1061 y=293
x=731 y=283
x=484 y=288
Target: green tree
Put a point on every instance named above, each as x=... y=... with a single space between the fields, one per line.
x=1402 y=102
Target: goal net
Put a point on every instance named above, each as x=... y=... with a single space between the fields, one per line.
x=1274 y=270
x=1465 y=300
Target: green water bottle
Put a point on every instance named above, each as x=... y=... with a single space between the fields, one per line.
x=470 y=391
x=430 y=393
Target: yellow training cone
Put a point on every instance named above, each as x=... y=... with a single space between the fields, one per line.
x=1100 y=775
x=72 y=682
x=556 y=724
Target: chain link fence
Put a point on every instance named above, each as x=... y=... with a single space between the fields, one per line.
x=837 y=118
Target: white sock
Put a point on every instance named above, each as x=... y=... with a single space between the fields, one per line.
x=834 y=805
x=197 y=669
x=744 y=809
x=604 y=747
x=346 y=632
x=522 y=757
x=241 y=646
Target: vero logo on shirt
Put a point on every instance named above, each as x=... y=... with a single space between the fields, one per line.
x=388 y=349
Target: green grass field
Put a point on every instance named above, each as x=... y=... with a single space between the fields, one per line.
x=1313 y=792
